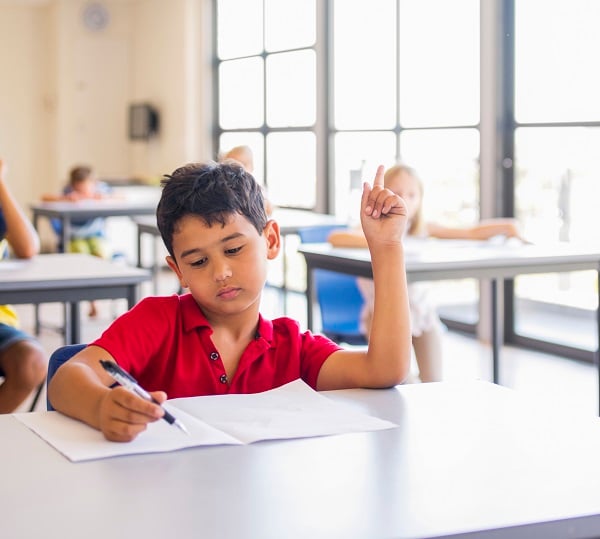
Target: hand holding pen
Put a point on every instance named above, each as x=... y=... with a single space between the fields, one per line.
x=129 y=383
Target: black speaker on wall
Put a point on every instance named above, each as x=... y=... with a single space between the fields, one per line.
x=143 y=121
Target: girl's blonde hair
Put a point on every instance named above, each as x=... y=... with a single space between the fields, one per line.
x=417 y=224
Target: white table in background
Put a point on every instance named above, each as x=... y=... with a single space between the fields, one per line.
x=449 y=259
x=68 y=212
x=289 y=220
x=68 y=278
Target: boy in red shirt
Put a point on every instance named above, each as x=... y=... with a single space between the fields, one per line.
x=214 y=340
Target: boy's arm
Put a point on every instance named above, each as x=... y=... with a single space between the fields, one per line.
x=21 y=235
x=80 y=389
x=387 y=359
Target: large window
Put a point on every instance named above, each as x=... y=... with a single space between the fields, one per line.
x=325 y=91
x=267 y=92
x=406 y=87
x=557 y=163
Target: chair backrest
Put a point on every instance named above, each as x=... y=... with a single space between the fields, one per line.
x=339 y=298
x=58 y=357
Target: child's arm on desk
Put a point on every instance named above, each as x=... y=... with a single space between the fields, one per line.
x=350 y=237
x=80 y=389
x=386 y=362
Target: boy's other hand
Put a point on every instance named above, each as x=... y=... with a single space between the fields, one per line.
x=383 y=213
x=124 y=415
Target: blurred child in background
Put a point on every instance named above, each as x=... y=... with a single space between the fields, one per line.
x=244 y=156
x=426 y=326
x=22 y=359
x=89 y=235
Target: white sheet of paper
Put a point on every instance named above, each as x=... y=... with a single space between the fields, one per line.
x=290 y=411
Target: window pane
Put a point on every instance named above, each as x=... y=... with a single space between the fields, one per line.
x=364 y=64
x=292 y=169
x=291 y=89
x=241 y=93
x=447 y=160
x=556 y=171
x=256 y=143
x=439 y=63
x=357 y=156
x=289 y=24
x=239 y=28
x=556 y=73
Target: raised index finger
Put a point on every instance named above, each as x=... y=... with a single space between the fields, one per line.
x=379 y=176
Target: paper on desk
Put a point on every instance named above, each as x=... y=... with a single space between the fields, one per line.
x=290 y=411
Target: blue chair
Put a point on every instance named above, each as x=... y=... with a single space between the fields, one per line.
x=58 y=357
x=339 y=298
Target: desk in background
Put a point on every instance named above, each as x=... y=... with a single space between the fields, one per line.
x=68 y=212
x=68 y=278
x=289 y=220
x=467 y=459
x=449 y=259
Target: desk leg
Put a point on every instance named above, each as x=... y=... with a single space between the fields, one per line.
x=284 y=277
x=132 y=295
x=309 y=298
x=155 y=268
x=72 y=323
x=495 y=334
x=597 y=354
x=139 y=248
x=66 y=233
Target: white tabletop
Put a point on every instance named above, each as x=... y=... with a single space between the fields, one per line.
x=99 y=207
x=466 y=457
x=289 y=220
x=48 y=271
x=450 y=259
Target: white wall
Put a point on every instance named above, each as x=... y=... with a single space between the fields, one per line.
x=26 y=105
x=66 y=89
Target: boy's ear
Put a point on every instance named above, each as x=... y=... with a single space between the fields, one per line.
x=173 y=265
x=273 y=238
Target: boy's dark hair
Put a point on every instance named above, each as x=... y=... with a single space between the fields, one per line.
x=79 y=174
x=211 y=191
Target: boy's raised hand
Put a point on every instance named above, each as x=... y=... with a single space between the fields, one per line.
x=383 y=213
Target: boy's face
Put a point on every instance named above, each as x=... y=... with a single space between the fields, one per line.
x=225 y=268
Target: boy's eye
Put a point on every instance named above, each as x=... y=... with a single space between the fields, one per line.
x=199 y=262
x=233 y=250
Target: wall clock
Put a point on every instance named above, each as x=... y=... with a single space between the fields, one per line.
x=95 y=16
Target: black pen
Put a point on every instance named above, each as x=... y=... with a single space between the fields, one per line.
x=129 y=382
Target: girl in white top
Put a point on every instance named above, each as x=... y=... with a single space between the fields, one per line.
x=426 y=326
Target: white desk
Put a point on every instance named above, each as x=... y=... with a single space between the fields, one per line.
x=450 y=259
x=68 y=212
x=467 y=460
x=68 y=278
x=289 y=220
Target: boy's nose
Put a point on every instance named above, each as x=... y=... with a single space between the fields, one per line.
x=222 y=271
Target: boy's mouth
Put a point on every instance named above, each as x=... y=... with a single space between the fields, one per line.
x=229 y=292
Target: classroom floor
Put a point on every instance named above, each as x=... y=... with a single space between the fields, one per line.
x=556 y=383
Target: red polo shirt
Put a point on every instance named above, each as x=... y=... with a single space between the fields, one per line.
x=165 y=343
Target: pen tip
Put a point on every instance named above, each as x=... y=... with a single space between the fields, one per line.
x=182 y=427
